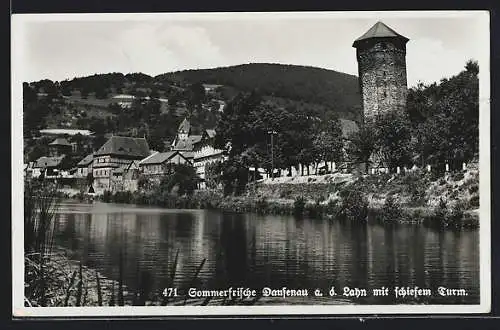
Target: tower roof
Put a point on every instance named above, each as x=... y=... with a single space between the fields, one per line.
x=184 y=126
x=379 y=30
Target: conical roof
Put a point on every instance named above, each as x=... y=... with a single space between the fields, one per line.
x=379 y=30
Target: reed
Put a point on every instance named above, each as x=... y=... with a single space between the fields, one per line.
x=41 y=200
x=79 y=286
x=68 y=291
x=99 y=290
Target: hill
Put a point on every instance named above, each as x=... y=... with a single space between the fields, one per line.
x=334 y=91
x=89 y=103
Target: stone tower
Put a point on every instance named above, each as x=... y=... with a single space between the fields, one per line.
x=381 y=55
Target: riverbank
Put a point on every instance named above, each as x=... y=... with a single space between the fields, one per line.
x=451 y=200
x=68 y=283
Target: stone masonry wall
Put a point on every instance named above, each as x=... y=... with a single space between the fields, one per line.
x=382 y=71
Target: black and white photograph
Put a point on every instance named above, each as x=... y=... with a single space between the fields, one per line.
x=260 y=163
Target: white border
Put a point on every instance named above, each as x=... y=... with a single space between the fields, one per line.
x=17 y=24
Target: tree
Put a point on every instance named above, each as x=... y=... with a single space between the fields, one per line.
x=213 y=174
x=362 y=144
x=328 y=144
x=445 y=118
x=183 y=178
x=393 y=136
x=196 y=96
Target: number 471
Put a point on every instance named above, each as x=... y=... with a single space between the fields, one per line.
x=170 y=292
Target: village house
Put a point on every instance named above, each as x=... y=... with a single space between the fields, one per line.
x=157 y=165
x=198 y=149
x=60 y=146
x=115 y=155
x=205 y=154
x=49 y=167
x=84 y=167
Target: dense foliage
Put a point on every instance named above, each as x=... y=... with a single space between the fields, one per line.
x=338 y=91
x=440 y=126
x=255 y=133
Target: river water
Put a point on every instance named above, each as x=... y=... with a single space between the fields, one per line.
x=248 y=250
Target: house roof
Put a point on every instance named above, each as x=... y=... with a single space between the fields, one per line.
x=159 y=158
x=187 y=144
x=133 y=165
x=348 y=127
x=124 y=146
x=379 y=30
x=187 y=154
x=60 y=142
x=210 y=133
x=86 y=161
x=185 y=126
x=44 y=161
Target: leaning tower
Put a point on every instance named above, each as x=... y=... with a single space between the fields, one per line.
x=381 y=55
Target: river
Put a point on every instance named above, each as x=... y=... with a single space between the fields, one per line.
x=248 y=250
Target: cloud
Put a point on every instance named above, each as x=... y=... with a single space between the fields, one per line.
x=159 y=48
x=428 y=61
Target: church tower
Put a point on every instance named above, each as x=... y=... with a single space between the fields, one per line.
x=381 y=55
x=184 y=130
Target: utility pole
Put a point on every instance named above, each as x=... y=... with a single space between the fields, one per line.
x=272 y=152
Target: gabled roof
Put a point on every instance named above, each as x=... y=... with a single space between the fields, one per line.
x=124 y=146
x=187 y=154
x=210 y=133
x=187 y=144
x=159 y=158
x=185 y=126
x=60 y=142
x=86 y=161
x=348 y=127
x=133 y=165
x=379 y=30
x=44 y=162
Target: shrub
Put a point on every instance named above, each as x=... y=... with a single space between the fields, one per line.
x=391 y=211
x=474 y=201
x=314 y=210
x=299 y=205
x=473 y=188
x=261 y=205
x=285 y=193
x=107 y=196
x=332 y=208
x=441 y=210
x=455 y=216
x=458 y=176
x=353 y=205
x=417 y=194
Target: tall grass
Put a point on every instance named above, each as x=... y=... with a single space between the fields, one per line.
x=41 y=200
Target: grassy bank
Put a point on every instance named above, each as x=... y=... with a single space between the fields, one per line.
x=448 y=201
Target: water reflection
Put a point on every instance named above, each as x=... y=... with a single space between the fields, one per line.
x=257 y=251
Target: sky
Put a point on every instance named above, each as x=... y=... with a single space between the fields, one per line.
x=59 y=47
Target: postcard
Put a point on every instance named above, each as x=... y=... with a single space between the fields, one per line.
x=260 y=163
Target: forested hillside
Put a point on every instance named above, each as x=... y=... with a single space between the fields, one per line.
x=336 y=91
